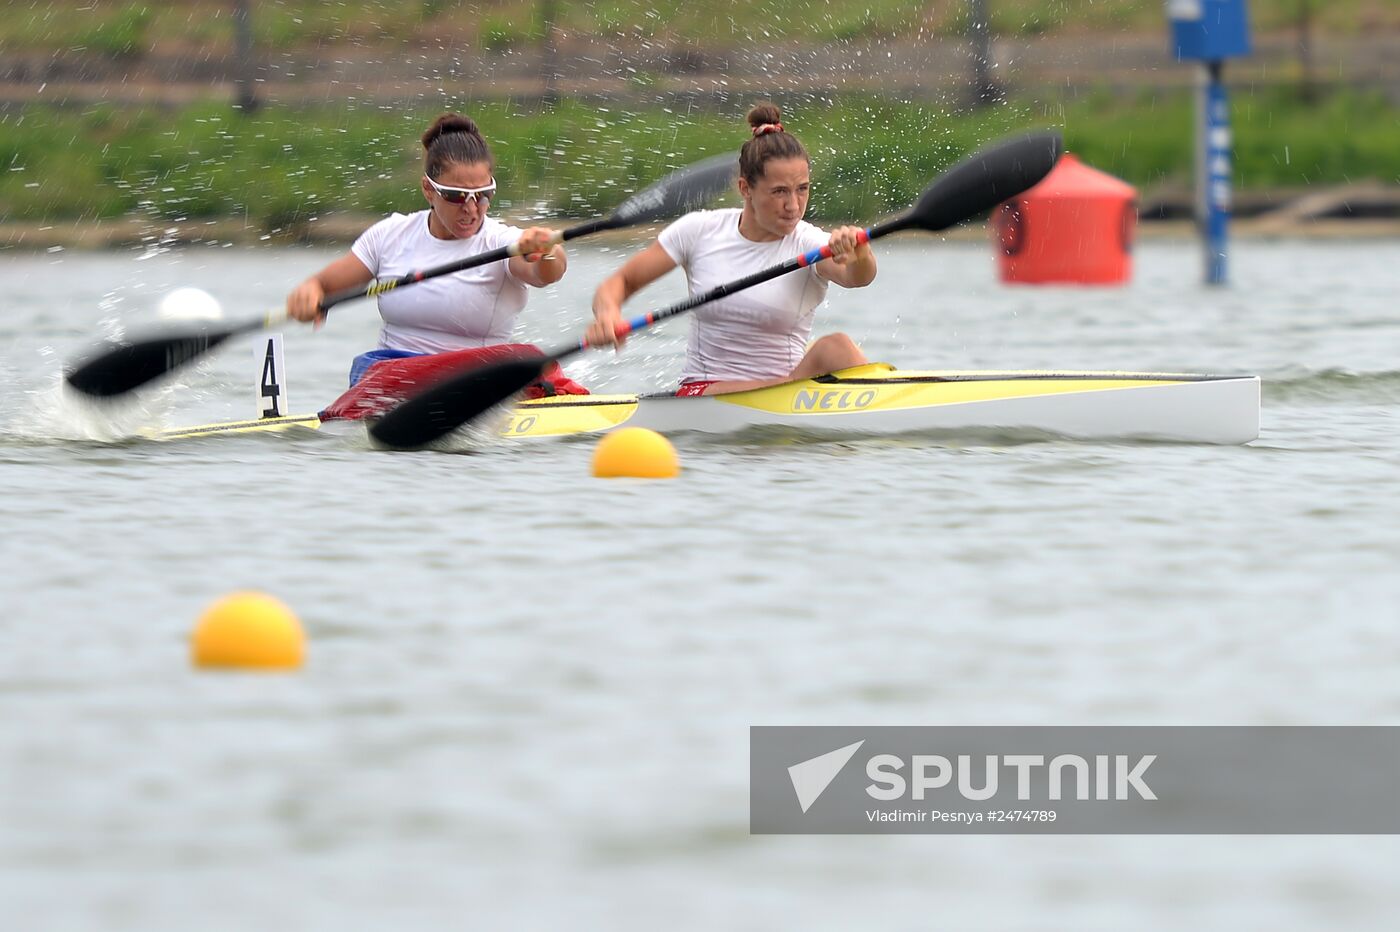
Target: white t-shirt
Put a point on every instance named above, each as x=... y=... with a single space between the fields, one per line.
x=760 y=332
x=473 y=308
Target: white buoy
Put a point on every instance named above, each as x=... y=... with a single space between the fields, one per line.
x=189 y=304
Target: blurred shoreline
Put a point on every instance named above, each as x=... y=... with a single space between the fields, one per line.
x=1288 y=221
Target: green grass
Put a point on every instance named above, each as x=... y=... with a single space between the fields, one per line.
x=1279 y=141
x=871 y=156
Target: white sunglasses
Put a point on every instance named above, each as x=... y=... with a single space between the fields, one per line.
x=463 y=195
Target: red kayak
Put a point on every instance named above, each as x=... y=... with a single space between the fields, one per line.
x=390 y=381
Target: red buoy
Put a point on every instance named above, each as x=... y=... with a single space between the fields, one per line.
x=1075 y=226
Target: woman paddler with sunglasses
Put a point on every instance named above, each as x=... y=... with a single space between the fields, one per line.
x=758 y=336
x=439 y=325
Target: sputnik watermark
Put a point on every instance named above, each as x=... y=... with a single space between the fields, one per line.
x=1114 y=776
x=1167 y=780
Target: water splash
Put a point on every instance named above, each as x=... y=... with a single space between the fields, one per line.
x=57 y=413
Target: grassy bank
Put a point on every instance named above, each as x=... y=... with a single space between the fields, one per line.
x=871 y=156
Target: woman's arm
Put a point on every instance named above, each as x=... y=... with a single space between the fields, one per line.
x=638 y=272
x=304 y=303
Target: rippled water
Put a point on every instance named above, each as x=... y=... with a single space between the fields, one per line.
x=528 y=691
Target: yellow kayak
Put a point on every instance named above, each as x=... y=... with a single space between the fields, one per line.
x=880 y=399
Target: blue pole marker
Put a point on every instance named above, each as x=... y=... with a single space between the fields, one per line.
x=1209 y=32
x=1218 y=167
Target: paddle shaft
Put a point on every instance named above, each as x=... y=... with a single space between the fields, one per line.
x=810 y=257
x=376 y=288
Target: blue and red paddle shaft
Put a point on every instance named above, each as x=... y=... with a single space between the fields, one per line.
x=811 y=257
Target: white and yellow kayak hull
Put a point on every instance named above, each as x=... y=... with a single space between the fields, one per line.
x=879 y=399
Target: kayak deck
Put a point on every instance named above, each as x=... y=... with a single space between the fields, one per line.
x=257 y=425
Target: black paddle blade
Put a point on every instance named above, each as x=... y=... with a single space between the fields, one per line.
x=131 y=365
x=985 y=179
x=454 y=401
x=679 y=192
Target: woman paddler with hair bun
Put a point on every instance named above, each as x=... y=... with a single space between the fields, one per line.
x=758 y=336
x=439 y=325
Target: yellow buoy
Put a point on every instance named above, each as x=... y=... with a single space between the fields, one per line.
x=248 y=630
x=635 y=452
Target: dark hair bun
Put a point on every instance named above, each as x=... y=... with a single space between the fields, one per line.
x=764 y=112
x=453 y=139
x=450 y=123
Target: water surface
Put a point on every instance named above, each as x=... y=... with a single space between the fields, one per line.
x=528 y=691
